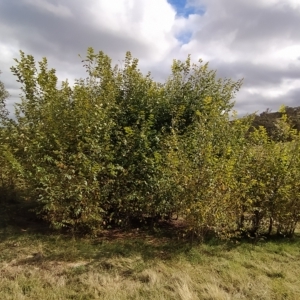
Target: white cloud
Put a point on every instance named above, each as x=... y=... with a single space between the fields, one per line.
x=150 y=22
x=257 y=40
x=282 y=57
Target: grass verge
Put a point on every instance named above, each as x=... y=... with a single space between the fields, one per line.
x=131 y=265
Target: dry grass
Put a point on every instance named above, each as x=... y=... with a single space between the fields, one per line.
x=49 y=266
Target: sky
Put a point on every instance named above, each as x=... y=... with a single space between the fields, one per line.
x=255 y=40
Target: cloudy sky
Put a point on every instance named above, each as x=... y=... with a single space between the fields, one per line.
x=256 y=40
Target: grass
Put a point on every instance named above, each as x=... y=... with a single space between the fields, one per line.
x=39 y=264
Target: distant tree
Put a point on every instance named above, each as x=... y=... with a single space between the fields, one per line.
x=269 y=120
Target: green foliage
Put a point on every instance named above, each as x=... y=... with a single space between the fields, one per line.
x=268 y=180
x=118 y=147
x=7 y=181
x=3 y=95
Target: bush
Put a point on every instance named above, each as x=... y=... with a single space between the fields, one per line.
x=119 y=146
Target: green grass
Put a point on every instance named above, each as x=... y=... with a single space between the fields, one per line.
x=131 y=265
x=36 y=263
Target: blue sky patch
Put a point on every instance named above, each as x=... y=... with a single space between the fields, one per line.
x=184 y=37
x=183 y=11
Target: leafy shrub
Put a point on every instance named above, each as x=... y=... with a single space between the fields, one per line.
x=118 y=146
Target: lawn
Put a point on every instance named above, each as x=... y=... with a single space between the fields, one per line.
x=39 y=264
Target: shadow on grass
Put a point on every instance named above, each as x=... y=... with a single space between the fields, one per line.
x=21 y=231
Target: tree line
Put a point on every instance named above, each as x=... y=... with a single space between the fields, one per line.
x=119 y=146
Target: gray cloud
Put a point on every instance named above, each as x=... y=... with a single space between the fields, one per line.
x=252 y=40
x=53 y=36
x=250 y=104
x=256 y=75
x=254 y=25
